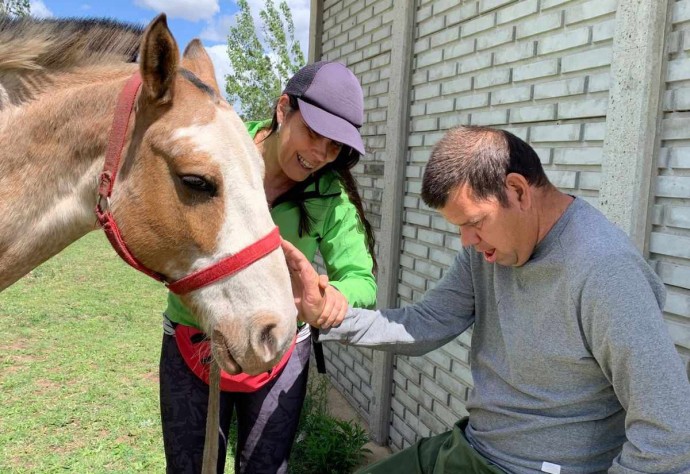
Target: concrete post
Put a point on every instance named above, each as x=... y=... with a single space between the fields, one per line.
x=391 y=206
x=633 y=118
x=315 y=31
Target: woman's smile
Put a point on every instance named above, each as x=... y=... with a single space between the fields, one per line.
x=305 y=164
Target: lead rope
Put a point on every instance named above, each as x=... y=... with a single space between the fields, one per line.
x=210 y=462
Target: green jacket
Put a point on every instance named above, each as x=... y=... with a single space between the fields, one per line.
x=336 y=231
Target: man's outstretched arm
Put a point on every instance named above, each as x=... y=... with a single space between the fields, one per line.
x=443 y=313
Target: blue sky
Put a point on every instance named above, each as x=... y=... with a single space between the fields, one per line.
x=207 y=20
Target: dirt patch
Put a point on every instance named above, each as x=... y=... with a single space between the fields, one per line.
x=44 y=386
x=18 y=345
x=151 y=377
x=17 y=353
x=13 y=369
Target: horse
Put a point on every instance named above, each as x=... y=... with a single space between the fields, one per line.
x=183 y=192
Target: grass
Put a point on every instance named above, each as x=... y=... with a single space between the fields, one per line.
x=79 y=347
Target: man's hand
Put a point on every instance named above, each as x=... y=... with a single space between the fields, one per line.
x=334 y=308
x=318 y=303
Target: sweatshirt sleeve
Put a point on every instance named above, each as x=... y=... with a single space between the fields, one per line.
x=443 y=314
x=344 y=250
x=622 y=321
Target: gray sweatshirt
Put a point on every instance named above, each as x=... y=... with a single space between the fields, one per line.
x=573 y=366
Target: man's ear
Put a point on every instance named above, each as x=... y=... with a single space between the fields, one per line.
x=519 y=189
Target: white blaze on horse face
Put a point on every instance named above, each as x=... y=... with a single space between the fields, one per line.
x=261 y=294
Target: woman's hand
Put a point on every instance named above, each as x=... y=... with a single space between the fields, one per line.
x=318 y=303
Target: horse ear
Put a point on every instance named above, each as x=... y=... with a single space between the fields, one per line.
x=158 y=60
x=196 y=59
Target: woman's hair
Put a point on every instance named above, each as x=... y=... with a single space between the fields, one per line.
x=346 y=159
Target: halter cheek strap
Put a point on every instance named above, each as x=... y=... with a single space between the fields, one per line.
x=196 y=280
x=227 y=266
x=116 y=142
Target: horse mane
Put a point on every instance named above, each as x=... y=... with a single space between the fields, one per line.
x=61 y=44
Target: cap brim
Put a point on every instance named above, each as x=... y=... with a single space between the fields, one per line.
x=331 y=126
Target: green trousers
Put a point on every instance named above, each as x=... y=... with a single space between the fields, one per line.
x=447 y=453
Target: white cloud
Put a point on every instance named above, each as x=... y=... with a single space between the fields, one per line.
x=39 y=9
x=217 y=29
x=192 y=10
x=221 y=63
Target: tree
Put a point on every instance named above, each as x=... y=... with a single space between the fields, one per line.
x=15 y=8
x=261 y=72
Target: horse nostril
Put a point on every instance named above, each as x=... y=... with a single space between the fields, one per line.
x=267 y=335
x=265 y=344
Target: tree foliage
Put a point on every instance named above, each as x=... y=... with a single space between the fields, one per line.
x=15 y=8
x=261 y=64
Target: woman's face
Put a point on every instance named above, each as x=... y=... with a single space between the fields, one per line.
x=302 y=150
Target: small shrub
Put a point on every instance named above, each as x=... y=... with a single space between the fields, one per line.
x=325 y=445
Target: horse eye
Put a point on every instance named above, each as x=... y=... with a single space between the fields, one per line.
x=199 y=184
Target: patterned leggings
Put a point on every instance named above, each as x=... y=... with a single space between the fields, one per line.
x=266 y=419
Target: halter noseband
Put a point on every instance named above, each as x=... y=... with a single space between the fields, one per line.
x=216 y=271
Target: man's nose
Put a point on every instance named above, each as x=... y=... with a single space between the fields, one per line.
x=469 y=237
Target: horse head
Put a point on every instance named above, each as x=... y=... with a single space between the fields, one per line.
x=190 y=193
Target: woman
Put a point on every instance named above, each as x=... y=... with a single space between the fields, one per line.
x=308 y=147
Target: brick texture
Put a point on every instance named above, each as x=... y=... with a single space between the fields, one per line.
x=669 y=242
x=540 y=69
x=357 y=34
x=516 y=67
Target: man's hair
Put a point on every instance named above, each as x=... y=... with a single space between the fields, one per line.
x=480 y=157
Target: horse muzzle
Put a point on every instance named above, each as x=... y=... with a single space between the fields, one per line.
x=255 y=349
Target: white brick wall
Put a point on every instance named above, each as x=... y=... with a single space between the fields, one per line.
x=357 y=33
x=669 y=240
x=540 y=69
x=539 y=74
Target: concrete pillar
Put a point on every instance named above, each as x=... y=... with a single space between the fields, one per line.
x=633 y=117
x=391 y=206
x=315 y=31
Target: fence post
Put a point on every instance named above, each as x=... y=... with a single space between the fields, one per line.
x=391 y=206
x=631 y=143
x=315 y=31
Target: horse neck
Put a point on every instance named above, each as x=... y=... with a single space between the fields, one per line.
x=52 y=153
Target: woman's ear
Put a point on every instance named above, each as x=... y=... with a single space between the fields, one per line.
x=282 y=108
x=519 y=190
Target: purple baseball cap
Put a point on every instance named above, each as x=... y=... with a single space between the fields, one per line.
x=331 y=101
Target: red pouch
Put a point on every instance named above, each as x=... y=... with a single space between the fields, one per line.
x=194 y=353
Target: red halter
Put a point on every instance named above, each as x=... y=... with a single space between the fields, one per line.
x=196 y=280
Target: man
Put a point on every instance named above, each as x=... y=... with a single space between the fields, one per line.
x=574 y=370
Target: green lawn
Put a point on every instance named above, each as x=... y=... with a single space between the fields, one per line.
x=79 y=346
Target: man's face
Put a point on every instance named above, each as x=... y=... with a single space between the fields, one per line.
x=501 y=234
